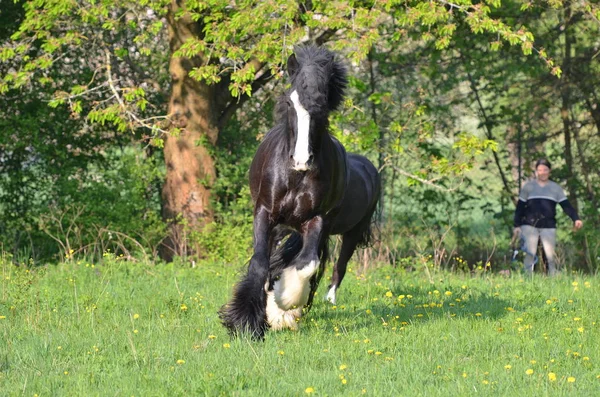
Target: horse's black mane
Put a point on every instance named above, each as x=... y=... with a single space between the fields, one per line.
x=318 y=78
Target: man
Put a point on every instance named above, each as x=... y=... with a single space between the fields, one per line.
x=535 y=216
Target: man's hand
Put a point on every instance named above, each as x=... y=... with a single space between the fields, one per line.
x=578 y=224
x=516 y=232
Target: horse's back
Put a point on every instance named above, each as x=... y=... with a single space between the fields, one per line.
x=362 y=194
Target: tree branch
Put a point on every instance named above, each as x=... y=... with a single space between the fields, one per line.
x=236 y=103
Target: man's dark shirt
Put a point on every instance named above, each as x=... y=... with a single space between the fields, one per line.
x=537 y=205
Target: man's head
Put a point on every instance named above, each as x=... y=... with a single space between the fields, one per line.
x=542 y=169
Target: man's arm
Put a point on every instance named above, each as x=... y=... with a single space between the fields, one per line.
x=569 y=210
x=520 y=212
x=521 y=206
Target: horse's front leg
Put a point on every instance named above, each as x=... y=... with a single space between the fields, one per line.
x=307 y=261
x=291 y=290
x=259 y=263
x=246 y=312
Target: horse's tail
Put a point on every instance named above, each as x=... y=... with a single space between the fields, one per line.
x=372 y=219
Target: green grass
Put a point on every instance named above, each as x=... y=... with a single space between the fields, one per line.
x=125 y=329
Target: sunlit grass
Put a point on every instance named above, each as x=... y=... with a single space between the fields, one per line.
x=131 y=329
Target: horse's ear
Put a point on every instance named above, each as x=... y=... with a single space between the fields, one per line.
x=292 y=65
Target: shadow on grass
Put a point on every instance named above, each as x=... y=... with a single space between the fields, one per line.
x=420 y=307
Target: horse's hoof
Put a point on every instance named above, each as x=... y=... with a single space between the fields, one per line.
x=330 y=297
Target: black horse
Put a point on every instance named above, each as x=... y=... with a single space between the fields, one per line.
x=305 y=187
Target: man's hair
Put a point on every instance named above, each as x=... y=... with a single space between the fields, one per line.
x=543 y=162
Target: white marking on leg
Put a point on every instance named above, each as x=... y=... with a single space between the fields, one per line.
x=289 y=296
x=309 y=270
x=280 y=319
x=293 y=287
x=331 y=295
x=301 y=151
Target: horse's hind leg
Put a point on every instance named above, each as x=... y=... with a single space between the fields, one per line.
x=349 y=242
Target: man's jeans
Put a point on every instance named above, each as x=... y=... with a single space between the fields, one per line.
x=531 y=235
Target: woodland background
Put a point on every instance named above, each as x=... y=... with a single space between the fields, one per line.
x=128 y=127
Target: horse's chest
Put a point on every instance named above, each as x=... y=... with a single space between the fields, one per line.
x=298 y=206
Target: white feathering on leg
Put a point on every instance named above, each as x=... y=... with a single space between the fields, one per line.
x=289 y=295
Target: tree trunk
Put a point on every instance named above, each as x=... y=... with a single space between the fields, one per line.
x=566 y=107
x=381 y=157
x=190 y=167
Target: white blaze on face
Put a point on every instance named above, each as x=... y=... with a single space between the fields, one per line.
x=301 y=152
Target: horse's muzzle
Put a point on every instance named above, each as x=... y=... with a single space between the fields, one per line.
x=302 y=166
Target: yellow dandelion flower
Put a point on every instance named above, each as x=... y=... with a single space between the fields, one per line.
x=533 y=362
x=309 y=390
x=529 y=372
x=464 y=374
x=281 y=352
x=478 y=314
x=586 y=358
x=368 y=311
x=370 y=351
x=211 y=337
x=507 y=366
x=343 y=367
x=574 y=283
x=2 y=317
x=576 y=318
x=66 y=372
x=551 y=376
x=448 y=293
x=548 y=302
x=389 y=294
x=344 y=381
x=580 y=329
x=135 y=331
x=59 y=347
x=571 y=379
x=180 y=362
x=226 y=345
x=485 y=382
x=378 y=353
x=183 y=307
x=136 y=316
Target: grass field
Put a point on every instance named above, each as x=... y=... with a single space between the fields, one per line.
x=126 y=329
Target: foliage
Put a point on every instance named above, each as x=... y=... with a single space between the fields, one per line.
x=109 y=203
x=442 y=98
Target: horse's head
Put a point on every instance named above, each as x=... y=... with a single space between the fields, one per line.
x=318 y=82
